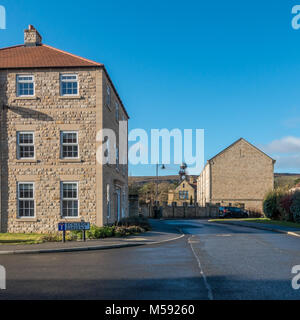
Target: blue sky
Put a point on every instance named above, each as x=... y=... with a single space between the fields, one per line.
x=229 y=67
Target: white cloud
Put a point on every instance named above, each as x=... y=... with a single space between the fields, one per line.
x=284 y=145
x=286 y=152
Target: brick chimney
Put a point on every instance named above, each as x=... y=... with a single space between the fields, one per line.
x=32 y=38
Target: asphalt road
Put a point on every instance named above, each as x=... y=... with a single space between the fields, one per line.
x=211 y=262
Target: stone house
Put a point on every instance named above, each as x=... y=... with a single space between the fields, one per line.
x=295 y=188
x=53 y=105
x=240 y=175
x=184 y=194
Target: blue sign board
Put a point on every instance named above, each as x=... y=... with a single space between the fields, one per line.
x=69 y=226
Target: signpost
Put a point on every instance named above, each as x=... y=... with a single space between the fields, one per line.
x=72 y=226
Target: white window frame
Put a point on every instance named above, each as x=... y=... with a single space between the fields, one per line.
x=26 y=199
x=68 y=144
x=69 y=199
x=61 y=80
x=24 y=144
x=18 y=81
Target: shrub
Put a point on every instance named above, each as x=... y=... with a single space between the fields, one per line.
x=270 y=204
x=284 y=207
x=139 y=221
x=106 y=232
x=56 y=237
x=120 y=232
x=100 y=232
x=51 y=237
x=95 y=233
x=295 y=207
x=135 y=229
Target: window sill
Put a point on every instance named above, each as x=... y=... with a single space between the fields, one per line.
x=26 y=98
x=70 y=160
x=26 y=220
x=70 y=97
x=26 y=161
x=68 y=219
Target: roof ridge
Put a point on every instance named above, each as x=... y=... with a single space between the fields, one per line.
x=240 y=139
x=11 y=47
x=73 y=55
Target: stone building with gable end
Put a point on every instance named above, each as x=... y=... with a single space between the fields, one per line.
x=52 y=105
x=240 y=175
x=184 y=194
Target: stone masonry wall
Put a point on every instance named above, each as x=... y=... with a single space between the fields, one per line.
x=241 y=174
x=115 y=177
x=182 y=212
x=47 y=114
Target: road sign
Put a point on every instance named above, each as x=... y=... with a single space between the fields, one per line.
x=70 y=226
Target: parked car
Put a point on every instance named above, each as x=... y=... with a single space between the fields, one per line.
x=232 y=212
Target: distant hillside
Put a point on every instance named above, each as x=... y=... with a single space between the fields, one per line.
x=281 y=179
x=148 y=179
x=286 y=179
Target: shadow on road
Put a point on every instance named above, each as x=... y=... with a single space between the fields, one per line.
x=172 y=288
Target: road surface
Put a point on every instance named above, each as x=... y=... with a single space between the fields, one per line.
x=211 y=262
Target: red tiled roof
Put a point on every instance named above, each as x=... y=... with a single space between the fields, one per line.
x=42 y=56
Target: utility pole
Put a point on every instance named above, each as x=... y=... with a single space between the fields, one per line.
x=156 y=194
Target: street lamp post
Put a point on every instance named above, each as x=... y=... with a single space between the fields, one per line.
x=157 y=167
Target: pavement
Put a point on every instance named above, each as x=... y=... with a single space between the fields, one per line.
x=264 y=226
x=156 y=236
x=212 y=261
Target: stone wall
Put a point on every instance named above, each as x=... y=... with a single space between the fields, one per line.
x=181 y=212
x=241 y=175
x=113 y=175
x=47 y=114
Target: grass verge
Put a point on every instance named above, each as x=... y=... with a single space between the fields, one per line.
x=263 y=220
x=126 y=227
x=20 y=238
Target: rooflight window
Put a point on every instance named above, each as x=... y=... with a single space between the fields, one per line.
x=69 y=84
x=25 y=86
